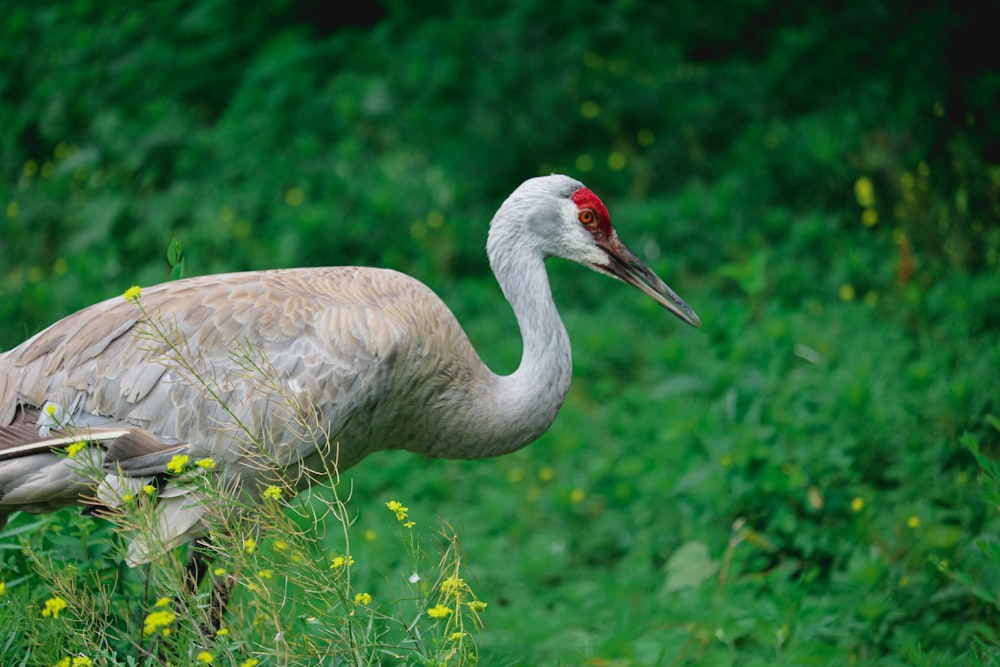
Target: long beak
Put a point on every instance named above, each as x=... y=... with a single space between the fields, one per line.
x=628 y=268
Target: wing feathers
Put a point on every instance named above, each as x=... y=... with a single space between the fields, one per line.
x=139 y=453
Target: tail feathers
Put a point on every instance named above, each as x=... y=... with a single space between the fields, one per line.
x=43 y=469
x=43 y=482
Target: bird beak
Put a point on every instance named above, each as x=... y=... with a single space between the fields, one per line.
x=626 y=267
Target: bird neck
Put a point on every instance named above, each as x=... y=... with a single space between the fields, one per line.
x=527 y=401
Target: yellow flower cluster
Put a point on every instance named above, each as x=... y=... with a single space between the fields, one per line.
x=133 y=293
x=398 y=508
x=363 y=599
x=204 y=657
x=157 y=621
x=340 y=561
x=400 y=511
x=78 y=661
x=272 y=493
x=177 y=463
x=453 y=585
x=75 y=448
x=53 y=606
x=439 y=611
x=864 y=192
x=206 y=463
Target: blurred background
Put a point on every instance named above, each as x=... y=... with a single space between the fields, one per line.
x=792 y=484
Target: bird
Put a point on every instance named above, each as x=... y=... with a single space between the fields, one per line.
x=352 y=360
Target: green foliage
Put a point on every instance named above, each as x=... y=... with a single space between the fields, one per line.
x=809 y=479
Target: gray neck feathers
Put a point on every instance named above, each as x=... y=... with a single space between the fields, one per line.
x=521 y=406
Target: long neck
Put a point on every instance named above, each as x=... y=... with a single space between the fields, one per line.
x=522 y=405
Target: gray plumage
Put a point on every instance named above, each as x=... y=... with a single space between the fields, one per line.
x=363 y=358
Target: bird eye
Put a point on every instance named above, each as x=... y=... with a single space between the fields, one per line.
x=587 y=217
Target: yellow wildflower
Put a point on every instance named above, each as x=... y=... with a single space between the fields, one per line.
x=205 y=463
x=438 y=611
x=409 y=524
x=864 y=192
x=3 y=587
x=250 y=545
x=149 y=489
x=457 y=636
x=219 y=571
x=398 y=508
x=133 y=293
x=177 y=463
x=477 y=605
x=158 y=620
x=363 y=599
x=78 y=661
x=272 y=493
x=250 y=662
x=913 y=522
x=162 y=602
x=452 y=585
x=222 y=632
x=204 y=658
x=858 y=504
x=341 y=561
x=75 y=448
x=265 y=574
x=53 y=606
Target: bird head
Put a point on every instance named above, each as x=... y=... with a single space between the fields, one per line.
x=566 y=219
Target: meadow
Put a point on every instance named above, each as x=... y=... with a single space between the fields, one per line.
x=811 y=478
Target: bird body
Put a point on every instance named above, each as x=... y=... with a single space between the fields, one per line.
x=292 y=360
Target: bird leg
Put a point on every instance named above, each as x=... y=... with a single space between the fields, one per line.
x=198 y=564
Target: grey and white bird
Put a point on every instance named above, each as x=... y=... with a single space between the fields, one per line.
x=370 y=359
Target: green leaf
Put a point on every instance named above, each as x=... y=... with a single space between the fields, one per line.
x=175 y=255
x=175 y=252
x=689 y=567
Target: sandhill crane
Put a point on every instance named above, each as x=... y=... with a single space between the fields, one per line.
x=376 y=358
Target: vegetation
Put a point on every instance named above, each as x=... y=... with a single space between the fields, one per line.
x=811 y=478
